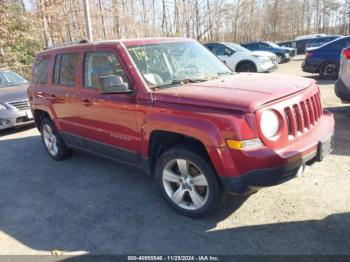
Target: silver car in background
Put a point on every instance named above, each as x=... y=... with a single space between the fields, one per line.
x=14 y=104
x=342 y=86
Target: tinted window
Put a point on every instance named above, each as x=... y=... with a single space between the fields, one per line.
x=65 y=69
x=41 y=67
x=98 y=64
x=219 y=50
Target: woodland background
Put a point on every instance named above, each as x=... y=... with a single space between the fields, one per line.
x=27 y=26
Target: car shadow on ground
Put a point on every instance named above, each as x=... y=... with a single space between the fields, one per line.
x=11 y=131
x=91 y=204
x=321 y=81
x=342 y=127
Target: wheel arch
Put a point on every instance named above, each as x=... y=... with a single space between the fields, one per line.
x=202 y=134
x=161 y=140
x=246 y=61
x=39 y=115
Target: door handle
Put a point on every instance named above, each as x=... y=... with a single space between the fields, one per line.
x=40 y=94
x=86 y=102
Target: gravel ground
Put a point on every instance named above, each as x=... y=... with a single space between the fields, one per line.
x=88 y=204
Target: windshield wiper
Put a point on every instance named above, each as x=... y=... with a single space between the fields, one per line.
x=182 y=82
x=225 y=73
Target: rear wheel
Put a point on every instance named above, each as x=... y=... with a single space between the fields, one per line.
x=329 y=70
x=188 y=182
x=246 y=67
x=53 y=142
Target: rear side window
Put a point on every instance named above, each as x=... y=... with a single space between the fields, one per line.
x=98 y=64
x=65 y=69
x=41 y=67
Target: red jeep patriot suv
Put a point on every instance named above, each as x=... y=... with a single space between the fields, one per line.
x=173 y=109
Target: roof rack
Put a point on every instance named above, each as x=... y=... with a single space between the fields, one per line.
x=83 y=41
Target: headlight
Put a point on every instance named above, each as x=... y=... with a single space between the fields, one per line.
x=2 y=107
x=269 y=123
x=264 y=59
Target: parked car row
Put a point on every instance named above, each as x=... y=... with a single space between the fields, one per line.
x=283 y=53
x=240 y=59
x=301 y=43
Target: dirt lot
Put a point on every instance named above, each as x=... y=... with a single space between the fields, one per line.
x=90 y=204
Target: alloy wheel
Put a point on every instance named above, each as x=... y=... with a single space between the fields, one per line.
x=50 y=140
x=185 y=184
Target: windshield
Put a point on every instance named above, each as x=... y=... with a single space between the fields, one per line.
x=8 y=78
x=273 y=44
x=236 y=48
x=167 y=64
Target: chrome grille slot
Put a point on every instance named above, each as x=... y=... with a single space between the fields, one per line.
x=21 y=105
x=302 y=116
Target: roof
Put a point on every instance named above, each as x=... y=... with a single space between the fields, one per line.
x=126 y=42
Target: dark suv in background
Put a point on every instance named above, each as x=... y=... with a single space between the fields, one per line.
x=319 y=41
x=325 y=59
x=282 y=53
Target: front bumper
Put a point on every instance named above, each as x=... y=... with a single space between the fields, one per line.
x=342 y=91
x=267 y=67
x=15 y=118
x=264 y=167
x=255 y=179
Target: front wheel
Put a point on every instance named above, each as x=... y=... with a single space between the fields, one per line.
x=188 y=182
x=53 y=142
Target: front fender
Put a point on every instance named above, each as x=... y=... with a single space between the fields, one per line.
x=210 y=129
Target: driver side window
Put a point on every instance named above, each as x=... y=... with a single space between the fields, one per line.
x=98 y=64
x=221 y=50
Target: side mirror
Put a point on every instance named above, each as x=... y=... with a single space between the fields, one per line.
x=113 y=84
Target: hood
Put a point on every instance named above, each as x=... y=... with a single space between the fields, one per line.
x=263 y=53
x=244 y=92
x=13 y=93
x=287 y=48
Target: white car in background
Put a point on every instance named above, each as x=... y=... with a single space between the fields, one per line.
x=240 y=59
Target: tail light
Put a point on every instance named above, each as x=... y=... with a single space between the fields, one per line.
x=346 y=53
x=308 y=54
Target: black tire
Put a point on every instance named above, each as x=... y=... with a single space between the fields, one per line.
x=214 y=193
x=246 y=67
x=329 y=70
x=280 y=59
x=62 y=150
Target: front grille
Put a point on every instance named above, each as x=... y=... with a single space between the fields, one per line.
x=23 y=119
x=21 y=105
x=303 y=116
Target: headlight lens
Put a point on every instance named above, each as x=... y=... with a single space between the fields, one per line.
x=269 y=123
x=2 y=107
x=264 y=59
